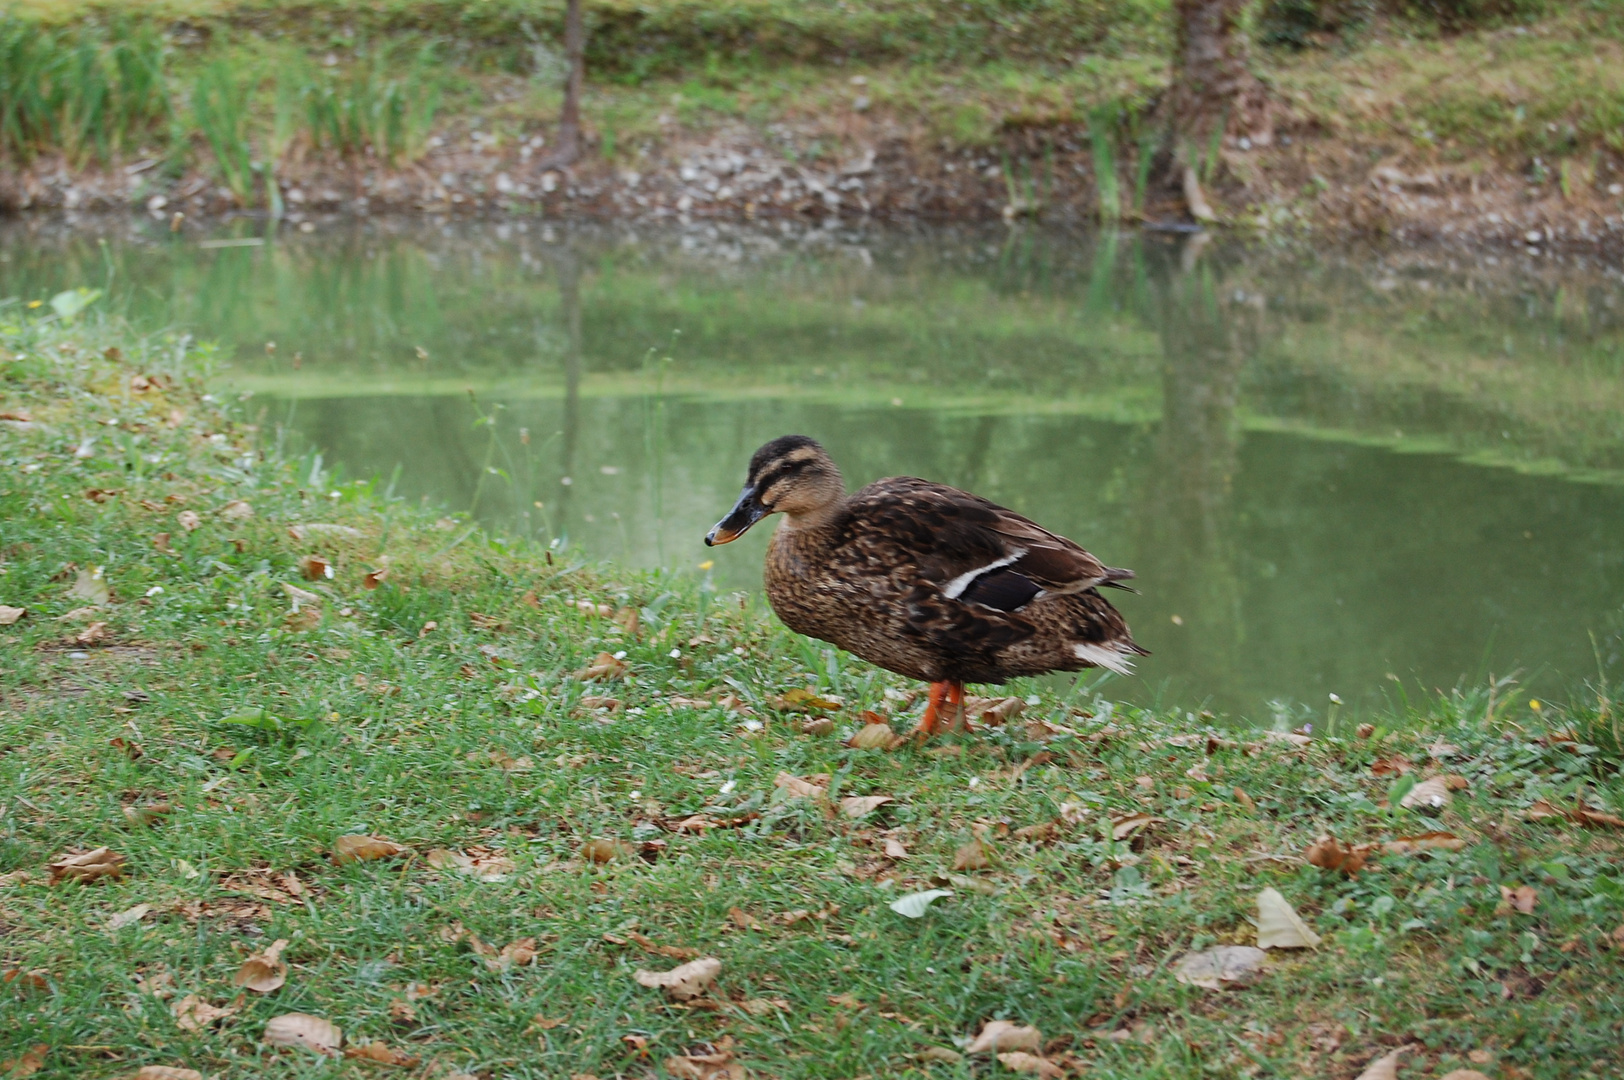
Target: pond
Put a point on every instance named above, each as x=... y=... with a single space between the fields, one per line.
x=1337 y=473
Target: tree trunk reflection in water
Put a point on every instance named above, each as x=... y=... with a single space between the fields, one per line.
x=1190 y=512
x=569 y=304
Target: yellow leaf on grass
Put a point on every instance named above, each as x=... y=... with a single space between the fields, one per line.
x=358 y=847
x=859 y=806
x=302 y=1029
x=90 y=585
x=802 y=700
x=89 y=866
x=1279 y=926
x=1000 y=1036
x=263 y=971
x=685 y=982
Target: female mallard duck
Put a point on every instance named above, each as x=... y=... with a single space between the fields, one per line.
x=923 y=579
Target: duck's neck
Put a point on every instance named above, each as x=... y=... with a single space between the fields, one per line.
x=812 y=520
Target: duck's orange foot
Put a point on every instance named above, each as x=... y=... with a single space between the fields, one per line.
x=936 y=718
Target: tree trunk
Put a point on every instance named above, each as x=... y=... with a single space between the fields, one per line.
x=568 y=150
x=1214 y=90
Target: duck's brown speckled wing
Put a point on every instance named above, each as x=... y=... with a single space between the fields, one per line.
x=970 y=548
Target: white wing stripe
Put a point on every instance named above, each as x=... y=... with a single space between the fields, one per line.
x=955 y=587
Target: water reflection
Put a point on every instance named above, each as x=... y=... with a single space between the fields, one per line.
x=1284 y=447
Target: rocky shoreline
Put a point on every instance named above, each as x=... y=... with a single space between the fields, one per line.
x=1301 y=184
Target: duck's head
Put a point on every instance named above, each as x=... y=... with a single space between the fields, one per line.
x=791 y=475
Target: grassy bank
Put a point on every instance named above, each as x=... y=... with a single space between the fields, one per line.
x=186 y=686
x=993 y=104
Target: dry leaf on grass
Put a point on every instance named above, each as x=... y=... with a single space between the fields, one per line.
x=141 y=816
x=89 y=866
x=188 y=519
x=1125 y=825
x=486 y=868
x=90 y=585
x=603 y=668
x=895 y=849
x=1384 y=1067
x=1245 y=800
x=128 y=916
x=875 y=736
x=914 y=905
x=383 y=1054
x=302 y=1029
x=1463 y=1074
x=802 y=787
x=373 y=578
x=1427 y=841
x=744 y=920
x=803 y=700
x=236 y=510
x=972 y=856
x=28 y=1063
x=165 y=1072
x=1329 y=853
x=194 y=1014
x=1523 y=898
x=763 y=1006
x=1279 y=926
x=1004 y=1035
x=860 y=806
x=315 y=568
x=94 y=634
x=682 y=983
x=603 y=851
x=358 y=847
x=9 y=615
x=716 y=1065
x=1586 y=816
x=940 y=1054
x=1213 y=968
x=1432 y=793
x=1021 y=1061
x=263 y=971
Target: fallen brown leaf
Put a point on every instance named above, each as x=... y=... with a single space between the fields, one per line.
x=1409 y=845
x=802 y=787
x=717 y=1065
x=1279 y=926
x=685 y=982
x=1329 y=853
x=763 y=1006
x=358 y=847
x=383 y=1054
x=192 y=1013
x=402 y=1011
x=1223 y=964
x=165 y=1072
x=603 y=851
x=999 y=1036
x=1523 y=898
x=373 y=578
x=875 y=737
x=90 y=866
x=9 y=615
x=236 y=510
x=151 y=814
x=1432 y=793
x=1021 y=1061
x=971 y=856
x=1384 y=1067
x=94 y=634
x=744 y=920
x=188 y=519
x=1125 y=825
x=818 y=725
x=994 y=711
x=860 y=806
x=895 y=849
x=1463 y=1074
x=129 y=916
x=485 y=867
x=302 y=1029
x=603 y=668
x=315 y=568
x=1586 y=816
x=942 y=1054
x=1396 y=765
x=1245 y=800
x=264 y=971
x=28 y=1063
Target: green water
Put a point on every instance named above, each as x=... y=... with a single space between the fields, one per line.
x=1336 y=473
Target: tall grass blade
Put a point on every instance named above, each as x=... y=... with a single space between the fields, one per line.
x=1102 y=125
x=220 y=105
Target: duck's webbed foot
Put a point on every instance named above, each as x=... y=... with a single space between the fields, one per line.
x=944 y=711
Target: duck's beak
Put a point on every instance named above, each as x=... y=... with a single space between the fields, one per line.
x=745 y=513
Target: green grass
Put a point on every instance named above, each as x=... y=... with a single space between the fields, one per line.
x=443 y=710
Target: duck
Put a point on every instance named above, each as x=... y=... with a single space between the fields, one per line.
x=925 y=580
